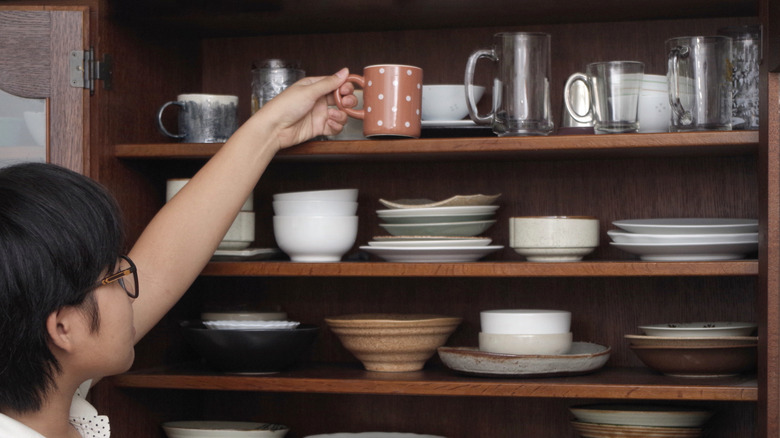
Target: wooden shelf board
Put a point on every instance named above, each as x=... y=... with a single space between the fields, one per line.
x=608 y=383
x=697 y=143
x=483 y=269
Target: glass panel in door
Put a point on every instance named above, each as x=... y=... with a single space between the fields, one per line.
x=22 y=129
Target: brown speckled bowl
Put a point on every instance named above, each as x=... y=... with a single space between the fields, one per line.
x=392 y=342
x=703 y=361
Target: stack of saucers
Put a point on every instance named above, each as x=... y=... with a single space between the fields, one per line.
x=698 y=349
x=639 y=421
x=688 y=239
x=445 y=231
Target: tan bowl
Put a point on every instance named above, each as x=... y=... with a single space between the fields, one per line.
x=393 y=342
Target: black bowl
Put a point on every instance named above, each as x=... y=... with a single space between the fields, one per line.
x=250 y=351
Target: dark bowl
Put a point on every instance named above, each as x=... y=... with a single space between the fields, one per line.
x=250 y=351
x=702 y=361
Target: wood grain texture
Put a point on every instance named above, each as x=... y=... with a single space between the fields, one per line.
x=25 y=53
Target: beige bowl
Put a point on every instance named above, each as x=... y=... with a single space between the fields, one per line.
x=393 y=342
x=549 y=344
x=554 y=238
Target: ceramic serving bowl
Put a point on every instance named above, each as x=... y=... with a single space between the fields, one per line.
x=250 y=351
x=525 y=321
x=550 y=344
x=700 y=329
x=554 y=238
x=315 y=239
x=350 y=195
x=243 y=316
x=695 y=341
x=392 y=342
x=223 y=429
x=704 y=361
x=653 y=415
x=315 y=208
x=447 y=102
x=592 y=430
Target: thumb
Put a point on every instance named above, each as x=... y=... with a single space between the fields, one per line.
x=330 y=83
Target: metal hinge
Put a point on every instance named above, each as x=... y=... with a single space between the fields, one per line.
x=85 y=70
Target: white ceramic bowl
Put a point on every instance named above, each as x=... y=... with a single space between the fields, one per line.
x=223 y=429
x=319 y=195
x=554 y=238
x=525 y=321
x=447 y=102
x=173 y=186
x=547 y=344
x=315 y=238
x=241 y=232
x=315 y=208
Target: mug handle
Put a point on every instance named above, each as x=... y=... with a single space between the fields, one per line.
x=683 y=116
x=357 y=114
x=581 y=118
x=160 y=122
x=469 y=82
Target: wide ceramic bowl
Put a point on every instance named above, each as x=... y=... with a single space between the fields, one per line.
x=552 y=343
x=350 y=195
x=593 y=430
x=315 y=208
x=654 y=415
x=315 y=239
x=447 y=102
x=703 y=361
x=392 y=342
x=250 y=351
x=223 y=429
x=700 y=329
x=525 y=321
x=554 y=238
x=240 y=315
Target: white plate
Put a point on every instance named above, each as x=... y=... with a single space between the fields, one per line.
x=432 y=254
x=223 y=429
x=250 y=325
x=427 y=219
x=700 y=329
x=466 y=229
x=372 y=435
x=447 y=123
x=583 y=358
x=247 y=253
x=624 y=237
x=459 y=210
x=430 y=243
x=689 y=252
x=457 y=200
x=688 y=225
x=641 y=415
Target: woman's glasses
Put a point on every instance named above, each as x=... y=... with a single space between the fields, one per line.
x=130 y=285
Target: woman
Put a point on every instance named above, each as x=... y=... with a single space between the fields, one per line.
x=72 y=306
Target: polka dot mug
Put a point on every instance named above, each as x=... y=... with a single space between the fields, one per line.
x=392 y=98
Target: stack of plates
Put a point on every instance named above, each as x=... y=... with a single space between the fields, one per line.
x=693 y=239
x=638 y=421
x=444 y=231
x=698 y=349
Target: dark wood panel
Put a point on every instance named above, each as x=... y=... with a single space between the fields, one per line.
x=25 y=52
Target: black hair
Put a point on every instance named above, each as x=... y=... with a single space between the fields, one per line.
x=59 y=232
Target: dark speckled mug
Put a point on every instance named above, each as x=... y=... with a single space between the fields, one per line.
x=203 y=118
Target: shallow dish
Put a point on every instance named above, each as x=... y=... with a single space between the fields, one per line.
x=439 y=229
x=429 y=243
x=698 y=361
x=689 y=252
x=687 y=341
x=641 y=415
x=583 y=358
x=250 y=351
x=626 y=237
x=590 y=430
x=438 y=211
x=243 y=316
x=250 y=325
x=443 y=254
x=223 y=429
x=437 y=218
x=319 y=195
x=457 y=200
x=700 y=329
x=688 y=225
x=372 y=435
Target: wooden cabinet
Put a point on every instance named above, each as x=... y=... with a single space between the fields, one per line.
x=162 y=49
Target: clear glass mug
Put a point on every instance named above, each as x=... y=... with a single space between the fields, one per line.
x=699 y=75
x=613 y=88
x=521 y=91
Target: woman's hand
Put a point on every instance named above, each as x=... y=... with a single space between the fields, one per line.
x=301 y=111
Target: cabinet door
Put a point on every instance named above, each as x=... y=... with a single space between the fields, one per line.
x=35 y=50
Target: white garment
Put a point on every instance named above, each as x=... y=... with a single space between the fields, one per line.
x=83 y=416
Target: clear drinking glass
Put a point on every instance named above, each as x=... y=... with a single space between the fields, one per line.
x=745 y=58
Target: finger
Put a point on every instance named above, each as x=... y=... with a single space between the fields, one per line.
x=327 y=84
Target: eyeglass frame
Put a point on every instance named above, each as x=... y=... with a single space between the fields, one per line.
x=132 y=270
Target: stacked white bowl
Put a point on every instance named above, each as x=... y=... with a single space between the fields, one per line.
x=316 y=226
x=525 y=331
x=241 y=233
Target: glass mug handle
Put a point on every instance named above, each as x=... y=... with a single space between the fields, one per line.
x=581 y=118
x=469 y=82
x=160 y=122
x=683 y=115
x=357 y=114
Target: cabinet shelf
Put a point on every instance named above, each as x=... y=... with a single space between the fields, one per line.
x=617 y=383
x=483 y=269
x=666 y=144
